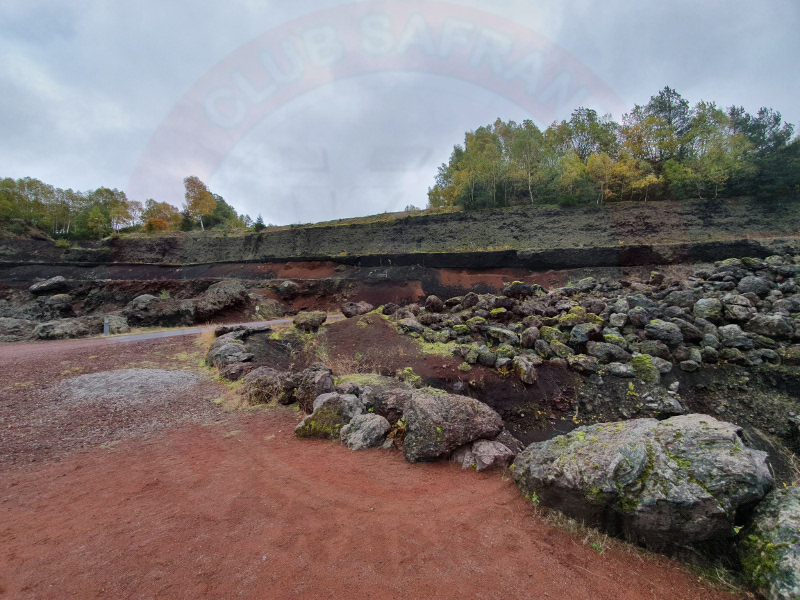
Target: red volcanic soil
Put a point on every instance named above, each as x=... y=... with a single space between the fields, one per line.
x=233 y=505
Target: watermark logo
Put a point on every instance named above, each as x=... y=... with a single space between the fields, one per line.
x=217 y=129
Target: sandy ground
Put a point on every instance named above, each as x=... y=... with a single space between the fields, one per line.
x=194 y=502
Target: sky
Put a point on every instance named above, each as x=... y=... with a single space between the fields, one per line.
x=315 y=110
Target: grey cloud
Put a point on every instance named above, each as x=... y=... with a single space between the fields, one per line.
x=86 y=85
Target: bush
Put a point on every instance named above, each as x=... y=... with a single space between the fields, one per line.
x=62 y=243
x=156 y=224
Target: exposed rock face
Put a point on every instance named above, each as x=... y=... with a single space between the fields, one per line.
x=331 y=412
x=61 y=329
x=219 y=298
x=310 y=321
x=288 y=289
x=14 y=330
x=142 y=312
x=660 y=483
x=770 y=546
x=311 y=383
x=438 y=423
x=364 y=431
x=52 y=285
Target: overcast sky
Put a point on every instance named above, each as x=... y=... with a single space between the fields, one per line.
x=325 y=109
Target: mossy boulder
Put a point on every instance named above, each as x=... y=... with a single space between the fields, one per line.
x=548 y=334
x=645 y=368
x=770 y=547
x=664 y=484
x=332 y=411
x=309 y=321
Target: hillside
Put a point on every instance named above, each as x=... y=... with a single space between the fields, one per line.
x=538 y=237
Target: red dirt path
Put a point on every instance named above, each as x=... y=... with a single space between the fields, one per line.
x=239 y=507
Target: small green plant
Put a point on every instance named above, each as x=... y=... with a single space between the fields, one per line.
x=409 y=377
x=597 y=546
x=632 y=390
x=465 y=367
x=358 y=356
x=62 y=243
x=533 y=497
x=164 y=295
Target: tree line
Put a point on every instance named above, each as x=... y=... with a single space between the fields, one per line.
x=98 y=213
x=662 y=150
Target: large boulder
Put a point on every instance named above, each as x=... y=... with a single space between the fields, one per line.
x=770 y=546
x=438 y=423
x=228 y=349
x=52 y=285
x=219 y=298
x=311 y=383
x=663 y=484
x=309 y=321
x=265 y=384
x=364 y=431
x=434 y=304
x=392 y=403
x=331 y=412
x=353 y=309
x=755 y=285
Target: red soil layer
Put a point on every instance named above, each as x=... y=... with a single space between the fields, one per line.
x=247 y=510
x=237 y=506
x=497 y=278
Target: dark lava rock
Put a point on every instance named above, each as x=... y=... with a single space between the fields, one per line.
x=438 y=423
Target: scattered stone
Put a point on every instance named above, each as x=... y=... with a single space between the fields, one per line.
x=525 y=370
x=669 y=333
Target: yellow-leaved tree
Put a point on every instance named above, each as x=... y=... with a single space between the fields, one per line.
x=199 y=201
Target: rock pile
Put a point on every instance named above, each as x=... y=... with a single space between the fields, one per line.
x=745 y=312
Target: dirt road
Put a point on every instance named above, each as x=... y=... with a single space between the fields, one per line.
x=178 y=499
